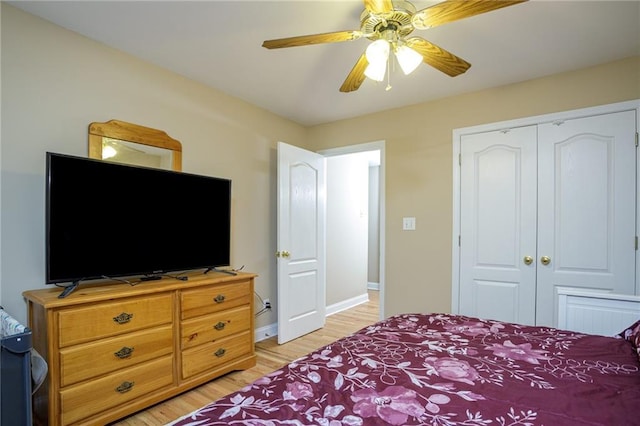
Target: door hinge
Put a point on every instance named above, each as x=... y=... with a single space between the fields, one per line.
x=636 y=243
x=460 y=159
x=636 y=139
x=459 y=239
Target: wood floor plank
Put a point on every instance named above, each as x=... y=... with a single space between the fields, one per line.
x=270 y=357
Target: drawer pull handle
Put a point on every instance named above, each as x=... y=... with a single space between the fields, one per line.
x=123 y=318
x=220 y=352
x=123 y=353
x=219 y=326
x=125 y=387
x=219 y=298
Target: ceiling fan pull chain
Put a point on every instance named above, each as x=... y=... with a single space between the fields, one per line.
x=388 y=76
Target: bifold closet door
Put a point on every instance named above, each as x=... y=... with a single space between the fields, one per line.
x=498 y=225
x=586 y=208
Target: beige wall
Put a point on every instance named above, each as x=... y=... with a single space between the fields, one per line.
x=347 y=227
x=419 y=166
x=54 y=83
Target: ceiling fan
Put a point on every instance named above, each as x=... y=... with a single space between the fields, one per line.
x=388 y=23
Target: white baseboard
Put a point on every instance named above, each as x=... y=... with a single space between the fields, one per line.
x=265 y=332
x=347 y=304
x=271 y=330
x=373 y=286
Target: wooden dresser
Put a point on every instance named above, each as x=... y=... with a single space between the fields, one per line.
x=114 y=349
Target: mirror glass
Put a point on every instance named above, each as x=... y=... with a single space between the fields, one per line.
x=134 y=153
x=129 y=143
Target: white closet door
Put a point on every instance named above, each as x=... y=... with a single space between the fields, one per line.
x=498 y=225
x=586 y=207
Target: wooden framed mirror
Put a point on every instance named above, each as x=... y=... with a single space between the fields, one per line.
x=129 y=143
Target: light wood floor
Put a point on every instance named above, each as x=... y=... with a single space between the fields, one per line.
x=270 y=357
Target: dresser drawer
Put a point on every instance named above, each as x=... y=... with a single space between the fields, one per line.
x=81 y=362
x=210 y=328
x=211 y=355
x=86 y=399
x=92 y=322
x=215 y=298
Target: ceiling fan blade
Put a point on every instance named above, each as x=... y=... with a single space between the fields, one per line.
x=356 y=76
x=438 y=58
x=312 y=39
x=453 y=10
x=378 y=6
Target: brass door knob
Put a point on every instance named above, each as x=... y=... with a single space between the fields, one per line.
x=528 y=260
x=545 y=260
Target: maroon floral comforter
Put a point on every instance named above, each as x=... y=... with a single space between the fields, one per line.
x=445 y=370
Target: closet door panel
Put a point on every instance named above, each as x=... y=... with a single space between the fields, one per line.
x=586 y=207
x=498 y=221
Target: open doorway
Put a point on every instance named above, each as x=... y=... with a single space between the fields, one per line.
x=355 y=225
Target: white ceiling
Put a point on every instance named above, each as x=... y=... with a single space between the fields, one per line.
x=218 y=43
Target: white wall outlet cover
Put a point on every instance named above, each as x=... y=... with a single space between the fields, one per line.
x=408 y=223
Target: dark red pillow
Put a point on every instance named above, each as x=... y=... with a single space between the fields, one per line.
x=632 y=334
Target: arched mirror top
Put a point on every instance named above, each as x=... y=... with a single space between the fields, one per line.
x=129 y=143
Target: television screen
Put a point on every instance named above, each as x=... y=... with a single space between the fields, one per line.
x=108 y=220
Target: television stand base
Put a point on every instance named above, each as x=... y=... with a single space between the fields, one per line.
x=151 y=278
x=224 y=271
x=69 y=289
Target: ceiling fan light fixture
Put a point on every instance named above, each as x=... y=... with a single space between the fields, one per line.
x=375 y=71
x=377 y=54
x=408 y=59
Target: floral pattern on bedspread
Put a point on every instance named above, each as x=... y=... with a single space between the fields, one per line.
x=444 y=370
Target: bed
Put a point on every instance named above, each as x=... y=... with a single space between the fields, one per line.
x=442 y=369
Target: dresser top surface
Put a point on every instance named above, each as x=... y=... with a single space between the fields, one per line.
x=92 y=292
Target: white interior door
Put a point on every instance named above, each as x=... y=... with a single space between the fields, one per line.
x=301 y=242
x=498 y=225
x=586 y=207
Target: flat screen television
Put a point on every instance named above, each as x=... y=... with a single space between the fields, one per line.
x=106 y=220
